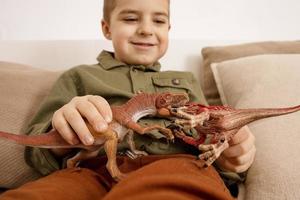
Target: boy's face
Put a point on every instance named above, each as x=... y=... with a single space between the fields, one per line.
x=139 y=30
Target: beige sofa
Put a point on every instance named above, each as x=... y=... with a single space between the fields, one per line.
x=250 y=75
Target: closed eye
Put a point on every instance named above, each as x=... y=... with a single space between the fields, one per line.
x=130 y=19
x=160 y=21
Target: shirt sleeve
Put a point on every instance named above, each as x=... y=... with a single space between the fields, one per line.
x=62 y=92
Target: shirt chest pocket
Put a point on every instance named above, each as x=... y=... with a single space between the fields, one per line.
x=171 y=84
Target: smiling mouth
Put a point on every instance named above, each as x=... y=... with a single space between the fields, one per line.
x=143 y=44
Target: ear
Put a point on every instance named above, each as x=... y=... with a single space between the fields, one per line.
x=106 y=29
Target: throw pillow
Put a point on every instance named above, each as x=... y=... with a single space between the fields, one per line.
x=222 y=53
x=22 y=89
x=259 y=82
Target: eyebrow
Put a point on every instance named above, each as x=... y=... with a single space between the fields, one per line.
x=129 y=11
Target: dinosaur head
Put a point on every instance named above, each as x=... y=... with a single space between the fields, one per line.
x=168 y=99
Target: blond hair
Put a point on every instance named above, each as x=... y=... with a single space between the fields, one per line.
x=109 y=6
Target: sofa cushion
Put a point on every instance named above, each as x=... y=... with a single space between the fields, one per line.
x=221 y=53
x=267 y=81
x=22 y=89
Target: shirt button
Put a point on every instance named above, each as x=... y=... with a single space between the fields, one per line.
x=175 y=81
x=139 y=91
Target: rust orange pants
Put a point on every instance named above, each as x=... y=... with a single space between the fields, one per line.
x=175 y=177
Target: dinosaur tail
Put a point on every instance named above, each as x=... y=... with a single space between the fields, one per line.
x=241 y=117
x=48 y=140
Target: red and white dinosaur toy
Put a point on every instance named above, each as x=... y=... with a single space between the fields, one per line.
x=216 y=125
x=124 y=122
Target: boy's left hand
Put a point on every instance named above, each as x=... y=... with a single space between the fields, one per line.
x=240 y=154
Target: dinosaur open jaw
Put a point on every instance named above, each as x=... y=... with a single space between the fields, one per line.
x=179 y=100
x=168 y=100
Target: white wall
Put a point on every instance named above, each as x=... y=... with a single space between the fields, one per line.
x=193 y=19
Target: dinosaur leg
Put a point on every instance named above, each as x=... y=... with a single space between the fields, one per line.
x=187 y=139
x=212 y=151
x=133 y=149
x=143 y=130
x=165 y=131
x=179 y=133
x=110 y=147
x=83 y=154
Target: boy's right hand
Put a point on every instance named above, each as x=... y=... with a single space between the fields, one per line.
x=70 y=120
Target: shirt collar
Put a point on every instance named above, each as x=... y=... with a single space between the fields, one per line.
x=107 y=61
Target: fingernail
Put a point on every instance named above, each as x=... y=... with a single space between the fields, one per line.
x=89 y=140
x=101 y=127
x=108 y=119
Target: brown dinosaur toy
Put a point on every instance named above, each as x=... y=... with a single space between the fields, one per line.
x=216 y=125
x=124 y=121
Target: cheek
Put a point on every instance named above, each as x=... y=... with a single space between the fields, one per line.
x=164 y=39
x=120 y=39
x=164 y=43
x=122 y=33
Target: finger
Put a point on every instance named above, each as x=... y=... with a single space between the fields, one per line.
x=60 y=124
x=205 y=147
x=226 y=165
x=76 y=121
x=241 y=148
x=91 y=113
x=243 y=159
x=240 y=136
x=103 y=107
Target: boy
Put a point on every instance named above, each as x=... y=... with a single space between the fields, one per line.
x=139 y=33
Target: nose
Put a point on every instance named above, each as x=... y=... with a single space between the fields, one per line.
x=145 y=28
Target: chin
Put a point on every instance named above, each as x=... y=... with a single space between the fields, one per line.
x=144 y=61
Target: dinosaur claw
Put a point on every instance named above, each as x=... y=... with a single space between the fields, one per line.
x=174 y=110
x=171 y=139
